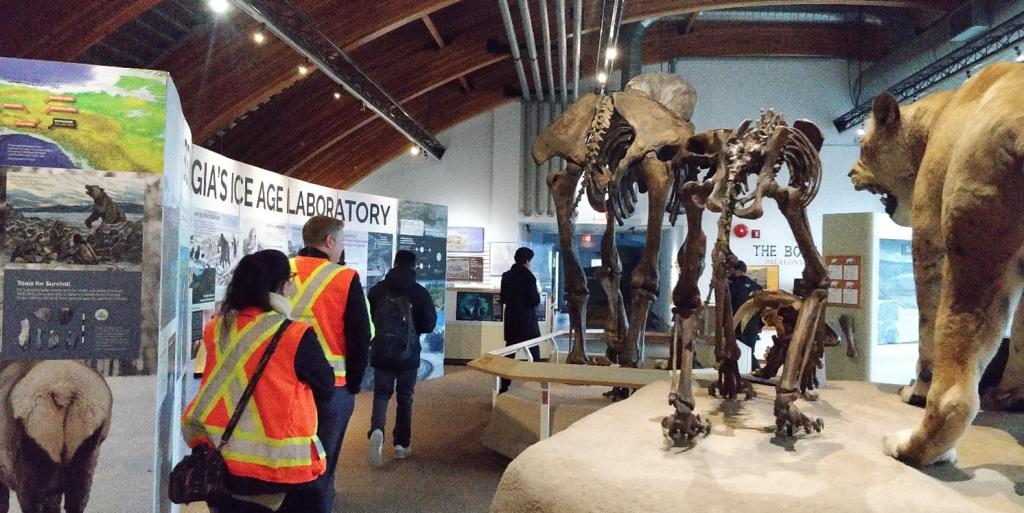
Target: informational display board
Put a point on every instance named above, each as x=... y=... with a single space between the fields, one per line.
x=844 y=272
x=465 y=268
x=89 y=261
x=463 y=239
x=478 y=306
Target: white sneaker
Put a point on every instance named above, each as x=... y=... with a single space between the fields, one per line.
x=402 y=453
x=374 y=453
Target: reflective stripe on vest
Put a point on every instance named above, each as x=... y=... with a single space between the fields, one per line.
x=302 y=307
x=227 y=382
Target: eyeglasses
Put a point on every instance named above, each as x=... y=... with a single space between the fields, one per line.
x=292 y=276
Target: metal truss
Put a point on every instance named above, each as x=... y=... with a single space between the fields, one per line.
x=974 y=51
x=293 y=27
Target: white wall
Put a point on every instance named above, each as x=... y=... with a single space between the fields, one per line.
x=479 y=176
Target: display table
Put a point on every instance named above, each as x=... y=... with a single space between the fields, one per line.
x=614 y=461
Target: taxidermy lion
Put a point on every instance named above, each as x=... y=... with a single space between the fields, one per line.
x=103 y=208
x=53 y=417
x=950 y=166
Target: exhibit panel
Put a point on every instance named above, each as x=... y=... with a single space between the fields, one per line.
x=871 y=272
x=93 y=161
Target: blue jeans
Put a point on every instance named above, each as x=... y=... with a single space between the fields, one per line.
x=333 y=417
x=383 y=387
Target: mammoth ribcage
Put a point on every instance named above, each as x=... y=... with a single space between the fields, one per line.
x=622 y=191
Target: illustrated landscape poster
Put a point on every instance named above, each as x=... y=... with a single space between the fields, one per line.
x=80 y=116
x=463 y=239
x=897 y=296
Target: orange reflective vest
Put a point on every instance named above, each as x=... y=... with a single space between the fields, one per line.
x=320 y=300
x=275 y=439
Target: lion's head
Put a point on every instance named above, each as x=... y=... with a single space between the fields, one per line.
x=887 y=165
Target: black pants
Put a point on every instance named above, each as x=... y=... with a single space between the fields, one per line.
x=384 y=385
x=231 y=505
x=535 y=351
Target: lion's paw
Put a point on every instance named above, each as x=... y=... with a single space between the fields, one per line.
x=891 y=442
x=895 y=445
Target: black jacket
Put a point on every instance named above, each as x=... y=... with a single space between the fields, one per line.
x=520 y=296
x=357 y=329
x=424 y=314
x=740 y=290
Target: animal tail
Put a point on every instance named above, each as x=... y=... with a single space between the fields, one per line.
x=60 y=407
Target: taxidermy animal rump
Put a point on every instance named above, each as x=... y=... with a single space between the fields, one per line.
x=950 y=167
x=54 y=418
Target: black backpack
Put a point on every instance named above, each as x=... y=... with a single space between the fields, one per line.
x=394 y=341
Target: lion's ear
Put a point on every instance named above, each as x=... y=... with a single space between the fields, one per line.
x=886 y=110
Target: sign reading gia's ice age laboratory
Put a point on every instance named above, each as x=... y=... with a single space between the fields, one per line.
x=218 y=179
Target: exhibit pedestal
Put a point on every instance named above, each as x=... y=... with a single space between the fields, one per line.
x=615 y=460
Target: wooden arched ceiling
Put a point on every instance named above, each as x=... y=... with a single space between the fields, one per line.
x=249 y=102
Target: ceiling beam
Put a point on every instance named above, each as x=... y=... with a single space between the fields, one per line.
x=303 y=125
x=221 y=74
x=61 y=30
x=639 y=10
x=857 y=42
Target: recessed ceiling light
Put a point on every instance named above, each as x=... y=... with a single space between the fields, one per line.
x=337 y=95
x=258 y=37
x=303 y=70
x=415 y=150
x=602 y=78
x=219 y=6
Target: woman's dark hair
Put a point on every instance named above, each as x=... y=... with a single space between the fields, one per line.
x=256 y=276
x=523 y=255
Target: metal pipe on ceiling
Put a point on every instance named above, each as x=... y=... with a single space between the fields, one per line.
x=513 y=43
x=600 y=88
x=563 y=52
x=531 y=46
x=577 y=36
x=546 y=37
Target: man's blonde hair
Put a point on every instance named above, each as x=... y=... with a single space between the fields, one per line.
x=316 y=230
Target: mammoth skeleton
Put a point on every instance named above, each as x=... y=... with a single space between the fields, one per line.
x=641 y=140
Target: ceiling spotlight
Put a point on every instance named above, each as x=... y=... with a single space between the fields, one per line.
x=1020 y=56
x=219 y=6
x=612 y=53
x=602 y=77
x=303 y=69
x=258 y=37
x=415 y=150
x=337 y=95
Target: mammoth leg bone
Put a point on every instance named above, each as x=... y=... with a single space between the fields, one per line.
x=644 y=281
x=788 y=417
x=610 y=276
x=563 y=187
x=727 y=352
x=684 y=425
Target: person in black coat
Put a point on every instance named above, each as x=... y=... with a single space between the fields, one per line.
x=520 y=296
x=399 y=282
x=741 y=287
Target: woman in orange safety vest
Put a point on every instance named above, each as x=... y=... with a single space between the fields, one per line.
x=274 y=448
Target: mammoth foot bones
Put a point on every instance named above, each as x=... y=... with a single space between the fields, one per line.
x=789 y=419
x=683 y=426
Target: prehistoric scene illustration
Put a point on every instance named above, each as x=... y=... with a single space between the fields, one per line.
x=73 y=217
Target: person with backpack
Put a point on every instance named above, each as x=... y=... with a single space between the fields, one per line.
x=401 y=310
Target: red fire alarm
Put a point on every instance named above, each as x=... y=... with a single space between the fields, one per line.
x=740 y=230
